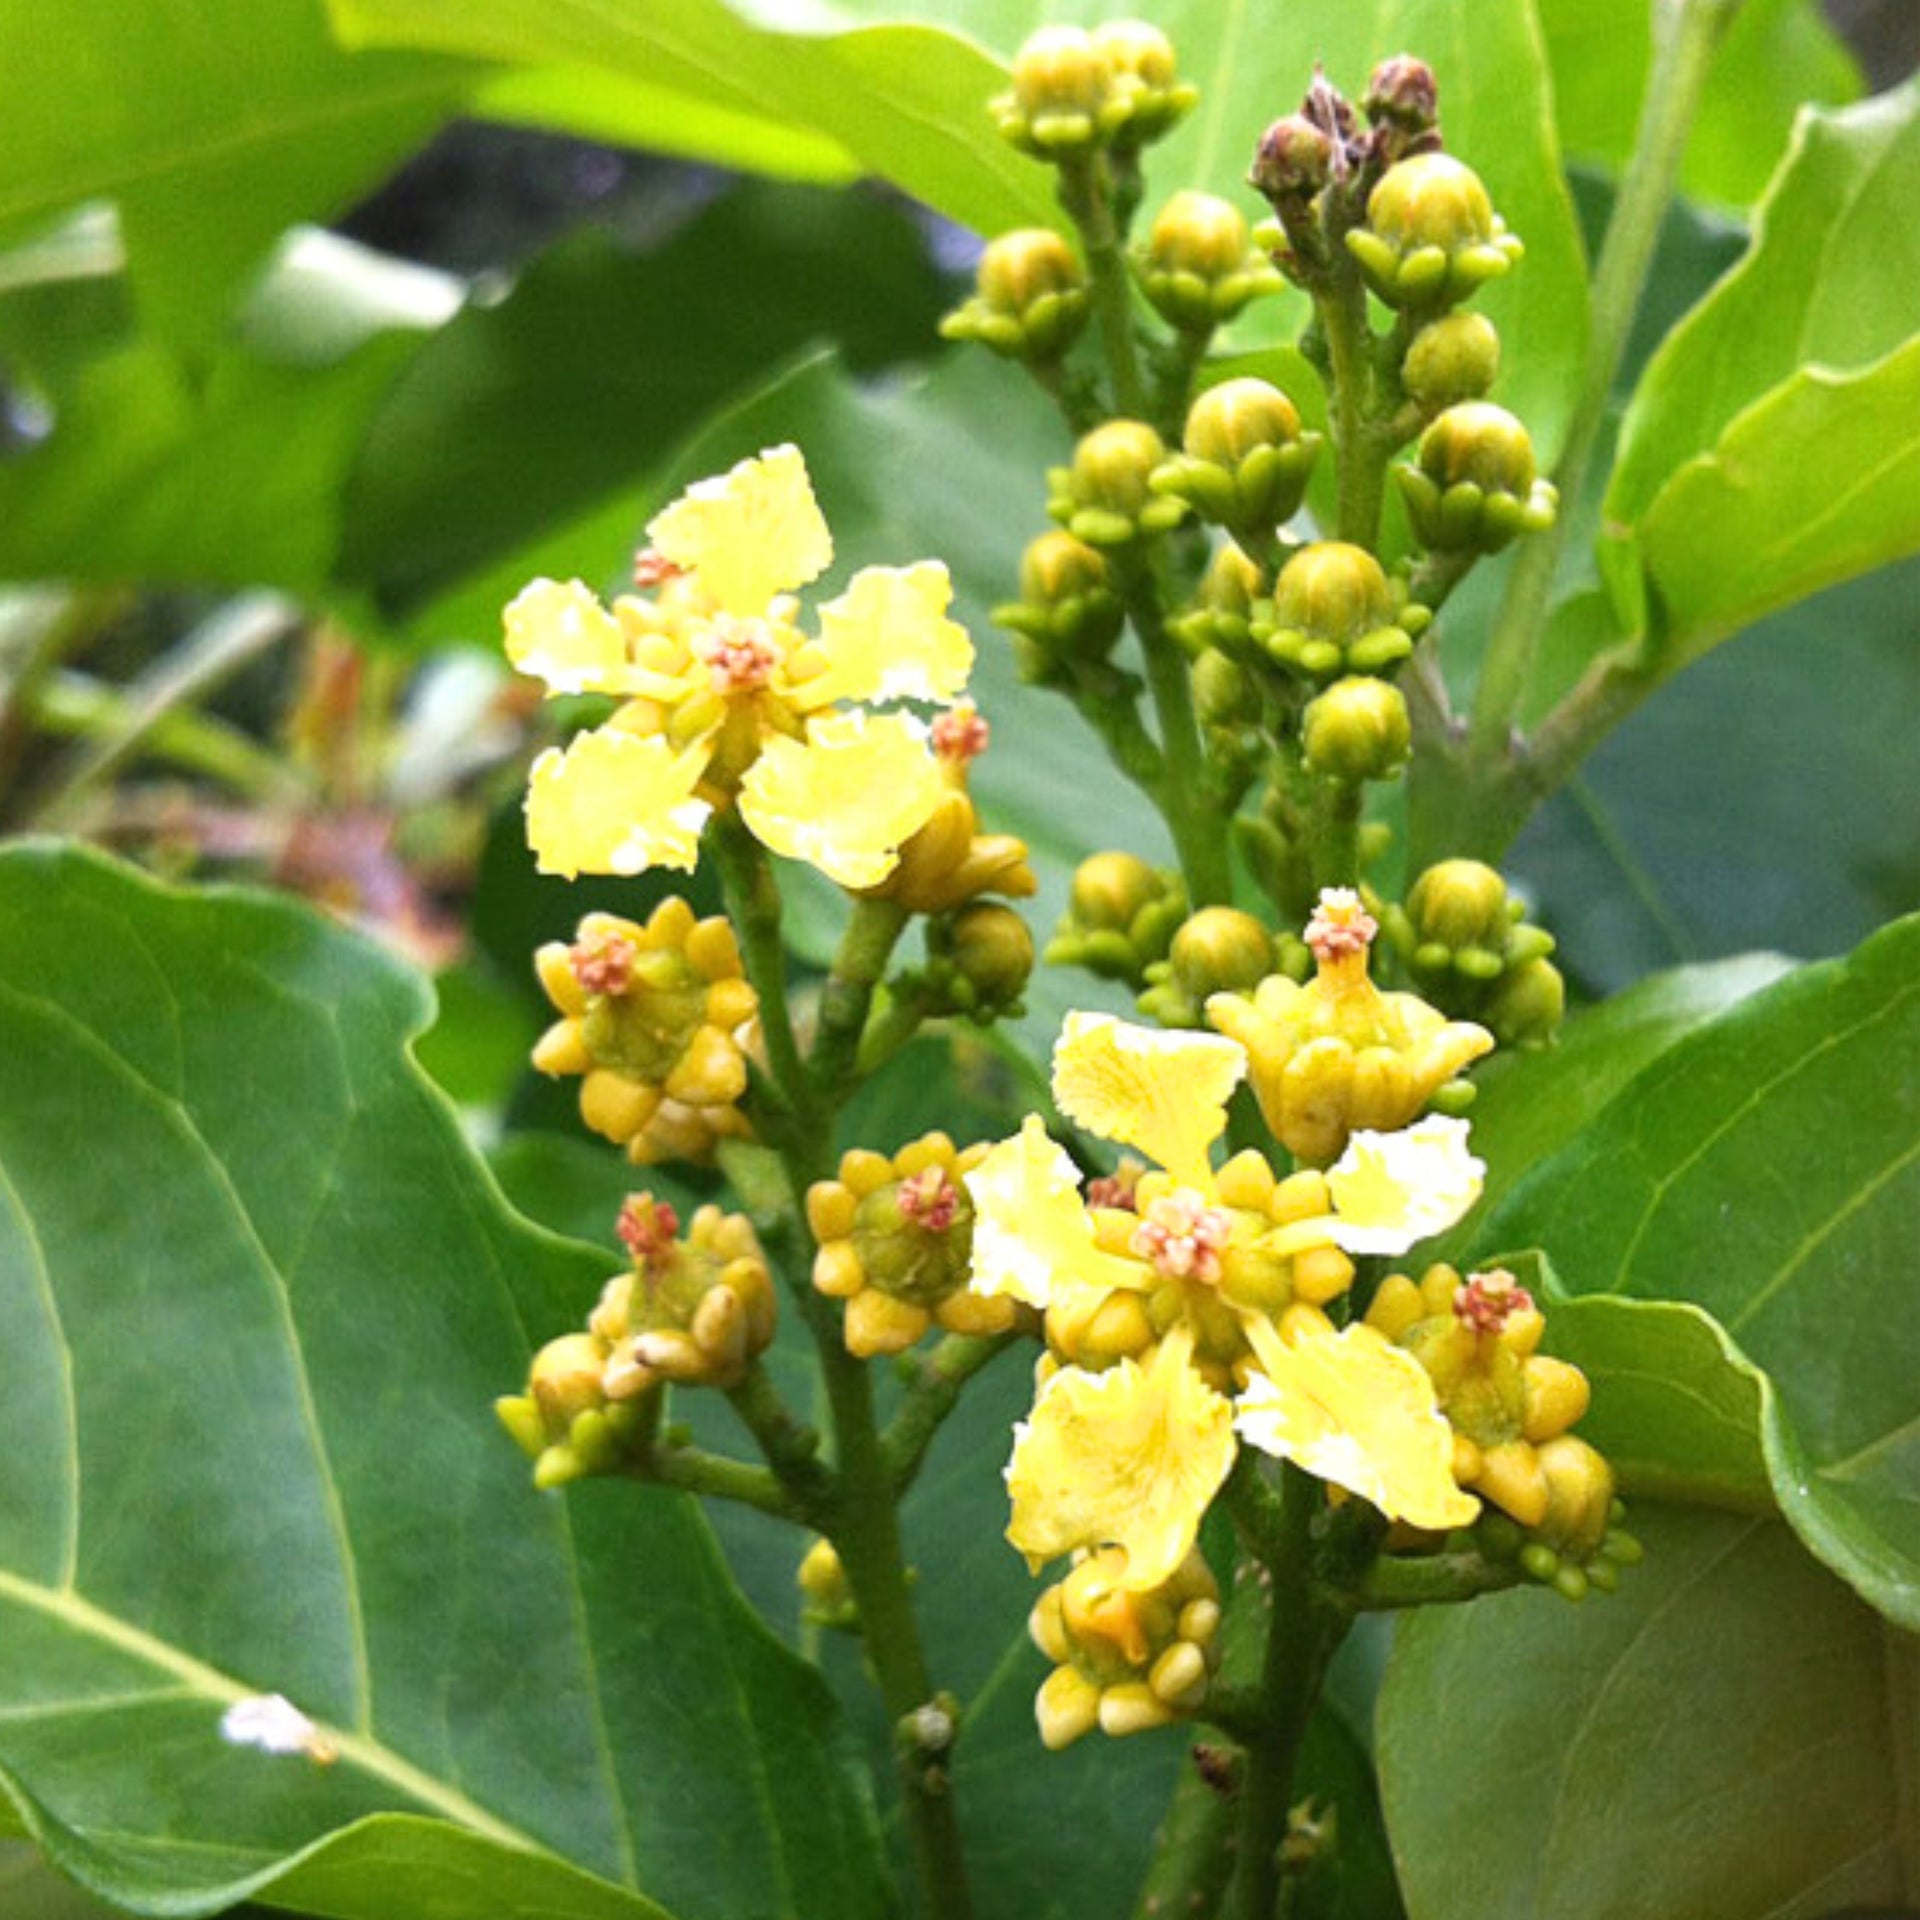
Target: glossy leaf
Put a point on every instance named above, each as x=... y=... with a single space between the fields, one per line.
x=245 y=106
x=1777 y=54
x=1768 y=451
x=258 y=1297
x=1726 y=1735
x=1767 y=1168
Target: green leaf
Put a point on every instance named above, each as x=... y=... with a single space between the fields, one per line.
x=244 y=106
x=1767 y=1168
x=1777 y=54
x=1726 y=1735
x=1756 y=462
x=255 y=1323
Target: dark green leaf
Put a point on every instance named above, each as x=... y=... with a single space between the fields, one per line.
x=1726 y=1735
x=257 y=1295
x=1767 y=1168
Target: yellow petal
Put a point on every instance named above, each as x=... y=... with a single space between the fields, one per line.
x=1393 y=1189
x=888 y=638
x=1130 y=1458
x=564 y=636
x=1033 y=1237
x=845 y=797
x=747 y=534
x=614 y=802
x=1165 y=1093
x=1352 y=1409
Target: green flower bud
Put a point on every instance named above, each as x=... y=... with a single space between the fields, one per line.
x=1223 y=691
x=1030 y=299
x=1452 y=359
x=1460 y=904
x=1244 y=460
x=1104 y=497
x=1474 y=487
x=988 y=952
x=1403 y=95
x=1358 y=730
x=1221 y=615
x=1062 y=101
x=1200 y=267
x=1066 y=610
x=1432 y=238
x=1143 y=81
x=1219 y=950
x=1121 y=917
x=826 y=1595
x=1293 y=161
x=1527 y=1006
x=1334 y=611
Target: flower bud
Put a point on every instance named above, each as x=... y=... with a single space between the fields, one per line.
x=1030 y=298
x=1143 y=80
x=1104 y=497
x=563 y=1421
x=1223 y=691
x=1222 y=611
x=1066 y=611
x=1199 y=266
x=1452 y=359
x=1244 y=460
x=949 y=861
x=1293 y=161
x=1219 y=950
x=826 y=1595
x=983 y=955
x=1474 y=488
x=1432 y=238
x=1358 y=730
x=1334 y=611
x=1062 y=101
x=1403 y=99
x=1121 y=917
x=1527 y=1006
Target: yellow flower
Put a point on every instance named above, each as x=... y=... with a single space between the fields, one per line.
x=1393 y=1189
x=737 y=698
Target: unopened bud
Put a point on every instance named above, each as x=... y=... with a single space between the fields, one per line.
x=1334 y=611
x=991 y=949
x=1403 y=95
x=1432 y=238
x=1357 y=730
x=1474 y=487
x=1452 y=359
x=1066 y=610
x=1147 y=94
x=1030 y=298
x=1244 y=460
x=1293 y=161
x=1200 y=267
x=1061 y=102
x=1104 y=498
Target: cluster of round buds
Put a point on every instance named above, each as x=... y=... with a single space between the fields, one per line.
x=1244 y=460
x=1334 y=611
x=1121 y=917
x=1123 y=1661
x=1218 y=950
x=1106 y=497
x=1030 y=297
x=696 y=1309
x=1220 y=619
x=657 y=1021
x=1199 y=266
x=1582 y=1544
x=1076 y=90
x=1431 y=238
x=1067 y=613
x=1472 y=487
x=1259 y=1244
x=1464 y=939
x=1338 y=1054
x=978 y=962
x=896 y=1239
x=1478 y=1340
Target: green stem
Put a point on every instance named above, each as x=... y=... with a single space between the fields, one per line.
x=933 y=1393
x=694 y=1470
x=1360 y=455
x=1193 y=1852
x=66 y=622
x=859 y=965
x=1337 y=807
x=1110 y=706
x=791 y=1447
x=1433 y=1580
x=1686 y=36
x=752 y=898
x=1086 y=193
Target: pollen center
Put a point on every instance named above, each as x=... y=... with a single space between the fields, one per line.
x=1182 y=1237
x=739 y=655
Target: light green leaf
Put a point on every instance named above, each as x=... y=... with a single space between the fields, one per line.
x=1756 y=461
x=247 y=107
x=1726 y=1735
x=1777 y=54
x=256 y=1296
x=1767 y=1168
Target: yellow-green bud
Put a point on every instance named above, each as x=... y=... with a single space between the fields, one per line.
x=1222 y=611
x=1432 y=238
x=1066 y=611
x=1104 y=497
x=1459 y=904
x=1244 y=461
x=1334 y=611
x=1527 y=1006
x=1474 y=488
x=1062 y=100
x=990 y=951
x=1452 y=359
x=1219 y=950
x=1358 y=730
x=1121 y=917
x=1199 y=267
x=1143 y=80
x=826 y=1595
x=1030 y=298
x=1110 y=888
x=1223 y=692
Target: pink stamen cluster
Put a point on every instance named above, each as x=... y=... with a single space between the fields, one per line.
x=1487 y=1301
x=647 y=1229
x=930 y=1200
x=1115 y=1189
x=603 y=964
x=652 y=568
x=739 y=655
x=961 y=734
x=1182 y=1237
x=1340 y=925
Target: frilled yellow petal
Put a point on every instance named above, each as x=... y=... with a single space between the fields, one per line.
x=1033 y=1237
x=1355 y=1410
x=563 y=635
x=615 y=803
x=1129 y=1458
x=1393 y=1189
x=1165 y=1093
x=747 y=534
x=888 y=638
x=845 y=797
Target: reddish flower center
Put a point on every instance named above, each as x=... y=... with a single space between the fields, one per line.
x=1487 y=1301
x=1182 y=1237
x=930 y=1200
x=740 y=655
x=647 y=1228
x=603 y=963
x=1340 y=926
x=961 y=734
x=1115 y=1189
x=652 y=568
